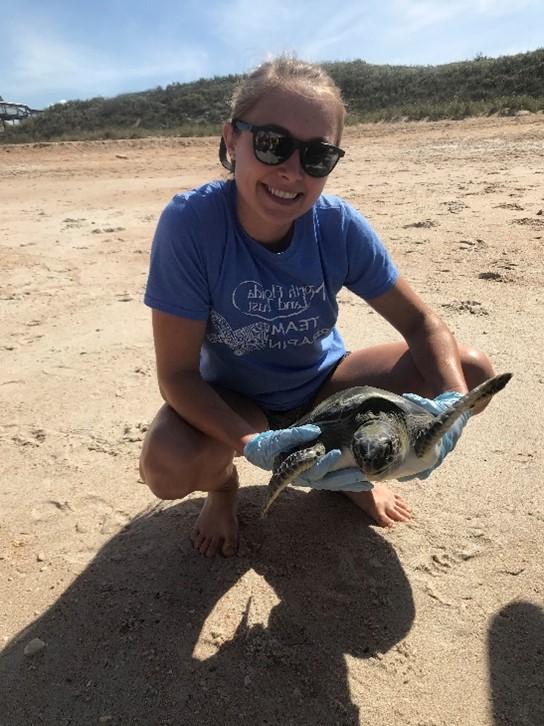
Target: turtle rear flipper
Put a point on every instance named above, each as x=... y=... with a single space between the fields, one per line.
x=438 y=427
x=292 y=466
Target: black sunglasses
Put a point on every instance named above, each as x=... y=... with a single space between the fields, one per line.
x=273 y=145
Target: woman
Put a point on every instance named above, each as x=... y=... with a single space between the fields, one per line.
x=243 y=282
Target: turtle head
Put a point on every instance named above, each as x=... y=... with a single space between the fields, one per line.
x=377 y=447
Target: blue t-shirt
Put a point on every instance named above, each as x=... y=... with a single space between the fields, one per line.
x=271 y=332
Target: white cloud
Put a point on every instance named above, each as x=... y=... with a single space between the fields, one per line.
x=415 y=15
x=433 y=31
x=52 y=64
x=498 y=8
x=376 y=30
x=311 y=29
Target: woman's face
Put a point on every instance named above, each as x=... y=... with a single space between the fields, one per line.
x=270 y=198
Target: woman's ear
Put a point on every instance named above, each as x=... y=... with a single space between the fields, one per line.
x=229 y=135
x=227 y=146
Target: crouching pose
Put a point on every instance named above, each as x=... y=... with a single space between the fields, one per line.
x=243 y=286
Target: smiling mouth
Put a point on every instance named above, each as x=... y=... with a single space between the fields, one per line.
x=279 y=194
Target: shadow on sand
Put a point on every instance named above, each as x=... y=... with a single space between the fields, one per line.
x=121 y=639
x=516 y=665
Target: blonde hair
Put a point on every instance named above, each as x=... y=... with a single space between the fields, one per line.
x=284 y=73
x=287 y=73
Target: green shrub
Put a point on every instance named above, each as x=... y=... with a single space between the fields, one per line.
x=502 y=86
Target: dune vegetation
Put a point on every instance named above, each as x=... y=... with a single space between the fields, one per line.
x=483 y=86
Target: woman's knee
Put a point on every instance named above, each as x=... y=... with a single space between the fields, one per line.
x=477 y=366
x=174 y=465
x=158 y=469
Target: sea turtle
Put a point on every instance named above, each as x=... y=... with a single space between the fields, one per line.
x=385 y=435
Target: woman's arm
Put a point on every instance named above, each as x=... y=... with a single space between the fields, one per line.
x=177 y=348
x=431 y=343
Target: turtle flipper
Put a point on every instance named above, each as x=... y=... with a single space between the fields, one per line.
x=438 y=427
x=290 y=467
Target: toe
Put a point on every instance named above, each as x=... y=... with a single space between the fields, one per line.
x=403 y=511
x=196 y=538
x=200 y=543
x=383 y=519
x=397 y=515
x=212 y=547
x=206 y=545
x=229 y=547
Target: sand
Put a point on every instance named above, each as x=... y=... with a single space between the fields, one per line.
x=108 y=617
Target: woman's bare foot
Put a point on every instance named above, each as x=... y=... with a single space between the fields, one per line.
x=383 y=505
x=216 y=529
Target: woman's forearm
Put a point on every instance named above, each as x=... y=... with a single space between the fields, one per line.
x=201 y=406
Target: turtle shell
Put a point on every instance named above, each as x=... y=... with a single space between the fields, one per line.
x=344 y=405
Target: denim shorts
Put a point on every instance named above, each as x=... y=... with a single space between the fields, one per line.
x=284 y=419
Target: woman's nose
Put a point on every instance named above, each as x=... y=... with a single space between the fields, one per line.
x=292 y=167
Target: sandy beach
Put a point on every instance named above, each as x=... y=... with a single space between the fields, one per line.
x=106 y=614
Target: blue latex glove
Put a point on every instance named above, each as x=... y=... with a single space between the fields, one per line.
x=448 y=442
x=263 y=449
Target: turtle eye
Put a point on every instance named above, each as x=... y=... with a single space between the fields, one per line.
x=388 y=451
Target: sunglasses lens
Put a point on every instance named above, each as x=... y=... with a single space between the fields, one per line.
x=319 y=159
x=271 y=147
x=274 y=147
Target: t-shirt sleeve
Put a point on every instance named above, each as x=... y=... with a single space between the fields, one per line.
x=177 y=281
x=371 y=271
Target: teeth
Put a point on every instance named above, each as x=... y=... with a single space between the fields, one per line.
x=280 y=194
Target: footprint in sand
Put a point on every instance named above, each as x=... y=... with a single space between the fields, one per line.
x=510 y=205
x=143 y=370
x=70 y=223
x=96 y=513
x=444 y=562
x=425 y=224
x=49 y=509
x=529 y=222
x=455 y=206
x=467 y=244
x=33 y=438
x=107 y=230
x=469 y=306
x=134 y=433
x=102 y=446
x=494 y=276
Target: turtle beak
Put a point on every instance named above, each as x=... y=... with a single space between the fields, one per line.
x=373 y=450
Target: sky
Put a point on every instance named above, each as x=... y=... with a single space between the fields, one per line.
x=58 y=50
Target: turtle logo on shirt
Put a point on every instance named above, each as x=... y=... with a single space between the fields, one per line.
x=240 y=340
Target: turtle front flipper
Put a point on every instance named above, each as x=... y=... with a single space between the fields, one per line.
x=288 y=468
x=438 y=427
